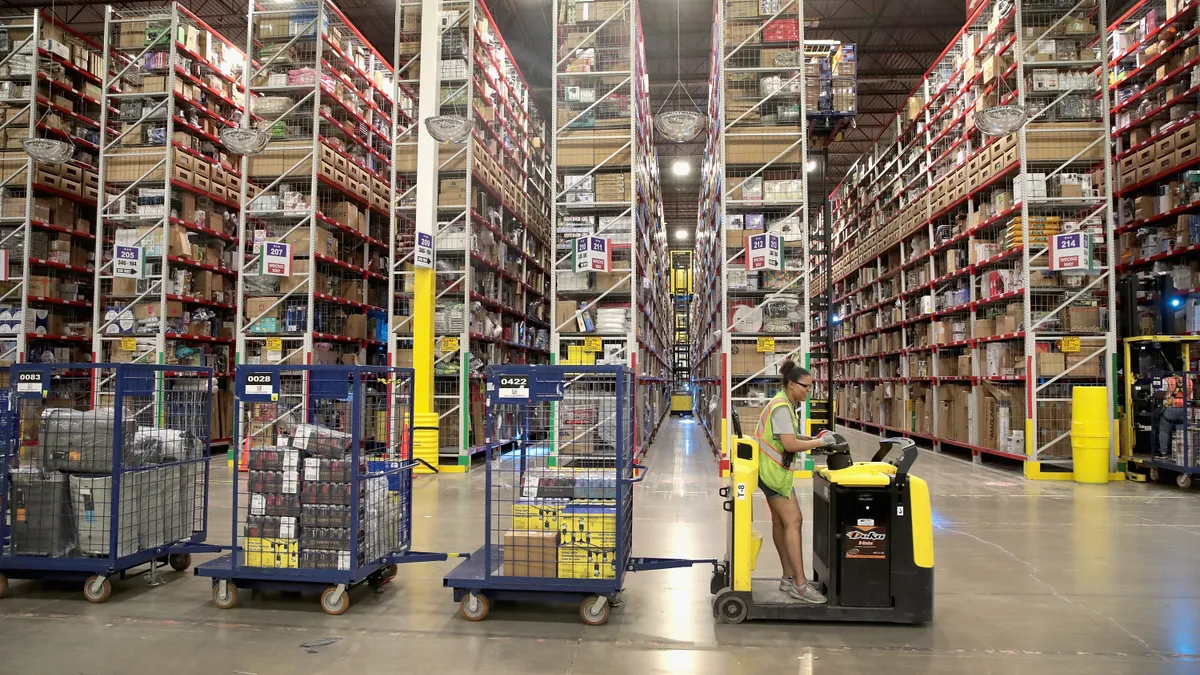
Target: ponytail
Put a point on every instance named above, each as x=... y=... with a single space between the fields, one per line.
x=789 y=371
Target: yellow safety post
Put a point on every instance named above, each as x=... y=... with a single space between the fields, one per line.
x=1091 y=434
x=425 y=418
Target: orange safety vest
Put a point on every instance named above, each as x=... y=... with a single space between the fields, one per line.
x=1176 y=394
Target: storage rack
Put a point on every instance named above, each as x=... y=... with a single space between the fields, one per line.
x=608 y=186
x=492 y=241
x=1155 y=51
x=949 y=325
x=50 y=89
x=171 y=200
x=762 y=88
x=321 y=185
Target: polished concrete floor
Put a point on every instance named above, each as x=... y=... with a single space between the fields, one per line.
x=1031 y=578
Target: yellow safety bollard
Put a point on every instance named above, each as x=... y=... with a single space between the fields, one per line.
x=1091 y=432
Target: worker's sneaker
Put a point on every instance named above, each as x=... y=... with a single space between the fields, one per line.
x=786 y=583
x=807 y=592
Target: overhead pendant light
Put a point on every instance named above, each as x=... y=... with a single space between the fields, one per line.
x=48 y=150
x=448 y=128
x=243 y=140
x=1000 y=120
x=679 y=126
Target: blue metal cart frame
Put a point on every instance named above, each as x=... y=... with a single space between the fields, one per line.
x=129 y=380
x=475 y=582
x=323 y=386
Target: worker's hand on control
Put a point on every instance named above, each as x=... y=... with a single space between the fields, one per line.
x=827 y=438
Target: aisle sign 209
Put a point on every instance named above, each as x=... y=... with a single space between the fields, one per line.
x=764 y=252
x=593 y=254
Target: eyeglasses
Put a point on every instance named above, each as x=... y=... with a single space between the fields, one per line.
x=801 y=384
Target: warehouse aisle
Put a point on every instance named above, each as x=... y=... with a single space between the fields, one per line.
x=1076 y=585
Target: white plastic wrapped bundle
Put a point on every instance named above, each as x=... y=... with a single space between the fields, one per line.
x=82 y=441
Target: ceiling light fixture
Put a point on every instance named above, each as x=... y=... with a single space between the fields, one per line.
x=681 y=234
x=679 y=126
x=681 y=167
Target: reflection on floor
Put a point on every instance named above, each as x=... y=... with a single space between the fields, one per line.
x=1031 y=578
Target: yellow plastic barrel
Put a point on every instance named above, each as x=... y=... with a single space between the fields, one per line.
x=1091 y=431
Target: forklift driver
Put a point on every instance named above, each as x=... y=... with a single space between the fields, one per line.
x=1176 y=391
x=779 y=439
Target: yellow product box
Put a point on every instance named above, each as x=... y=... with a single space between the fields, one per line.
x=585 y=554
x=597 y=516
x=537 y=514
x=272 y=552
x=590 y=539
x=586 y=570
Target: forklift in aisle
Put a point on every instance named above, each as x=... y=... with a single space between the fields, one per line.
x=872 y=541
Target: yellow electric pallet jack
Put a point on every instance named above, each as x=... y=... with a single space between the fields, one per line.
x=872 y=541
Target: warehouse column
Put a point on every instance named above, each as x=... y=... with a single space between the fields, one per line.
x=425 y=436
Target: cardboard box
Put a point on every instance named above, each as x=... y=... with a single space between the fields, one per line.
x=1050 y=364
x=530 y=554
x=356 y=326
x=149 y=310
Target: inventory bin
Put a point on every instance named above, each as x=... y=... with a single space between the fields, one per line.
x=324 y=501
x=106 y=469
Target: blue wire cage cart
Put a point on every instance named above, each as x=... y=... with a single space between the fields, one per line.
x=105 y=469
x=326 y=502
x=560 y=477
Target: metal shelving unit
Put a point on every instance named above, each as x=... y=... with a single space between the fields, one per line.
x=754 y=211
x=949 y=321
x=491 y=245
x=167 y=230
x=321 y=188
x=50 y=89
x=1154 y=51
x=617 y=308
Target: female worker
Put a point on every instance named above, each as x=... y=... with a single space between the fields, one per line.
x=779 y=439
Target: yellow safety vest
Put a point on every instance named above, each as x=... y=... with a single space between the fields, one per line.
x=775 y=463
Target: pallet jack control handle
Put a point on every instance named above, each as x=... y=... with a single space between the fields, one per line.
x=737 y=423
x=908 y=453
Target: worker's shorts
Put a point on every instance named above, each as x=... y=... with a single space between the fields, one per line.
x=771 y=494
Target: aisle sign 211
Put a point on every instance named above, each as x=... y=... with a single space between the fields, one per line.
x=593 y=254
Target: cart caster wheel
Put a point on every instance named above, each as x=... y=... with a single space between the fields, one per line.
x=594 y=610
x=474 y=607
x=3 y=585
x=227 y=599
x=392 y=571
x=1184 y=481
x=1154 y=475
x=731 y=608
x=331 y=608
x=180 y=561
x=97 y=589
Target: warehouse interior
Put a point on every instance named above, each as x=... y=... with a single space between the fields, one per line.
x=455 y=334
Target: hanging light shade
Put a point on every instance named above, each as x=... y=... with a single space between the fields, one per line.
x=449 y=128
x=679 y=126
x=1000 y=120
x=245 y=141
x=48 y=150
